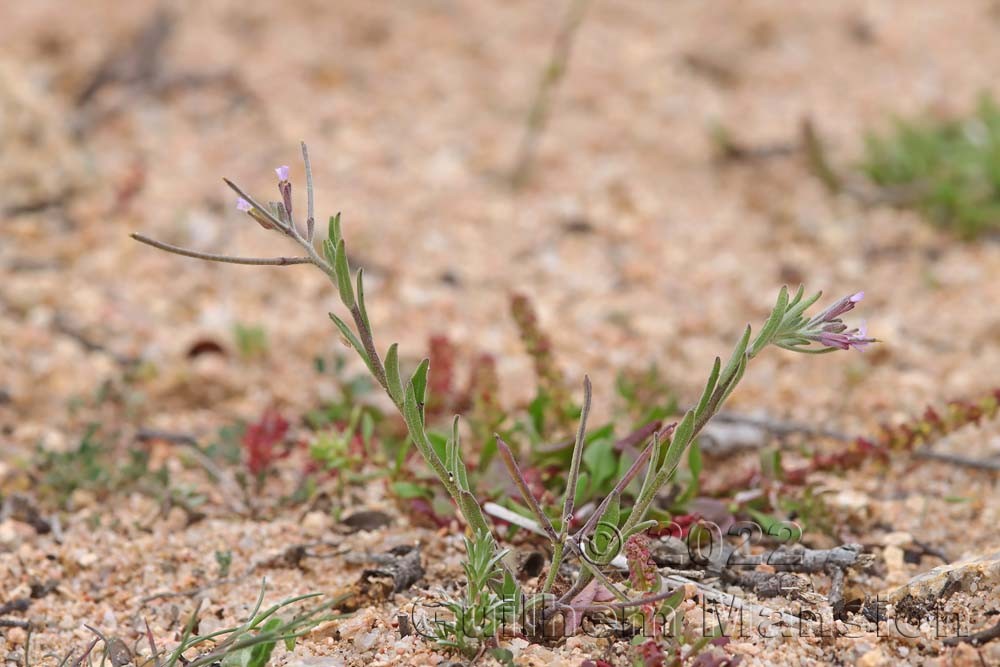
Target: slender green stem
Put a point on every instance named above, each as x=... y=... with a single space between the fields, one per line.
x=557 y=556
x=569 y=499
x=571 y=484
x=368 y=340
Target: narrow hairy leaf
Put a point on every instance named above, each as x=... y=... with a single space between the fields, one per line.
x=655 y=461
x=451 y=455
x=461 y=474
x=612 y=513
x=413 y=414
x=392 y=374
x=640 y=527
x=709 y=387
x=680 y=441
x=352 y=339
x=333 y=230
x=330 y=252
x=771 y=325
x=740 y=370
x=606 y=532
x=343 y=271
x=684 y=430
x=361 y=299
x=738 y=353
x=795 y=312
x=419 y=382
x=798 y=296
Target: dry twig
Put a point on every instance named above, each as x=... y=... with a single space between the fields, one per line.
x=554 y=71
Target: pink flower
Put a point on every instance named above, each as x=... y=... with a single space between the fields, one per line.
x=285 y=188
x=827 y=329
x=861 y=338
x=837 y=309
x=856 y=338
x=248 y=208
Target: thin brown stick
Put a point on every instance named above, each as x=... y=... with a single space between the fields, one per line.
x=197 y=590
x=522 y=485
x=977 y=639
x=154 y=652
x=554 y=71
x=955 y=459
x=634 y=603
x=782 y=428
x=836 y=596
x=228 y=259
x=817 y=158
x=86 y=653
x=61 y=325
x=175 y=437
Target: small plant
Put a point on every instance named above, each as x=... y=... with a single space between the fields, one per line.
x=96 y=468
x=261 y=442
x=249 y=644
x=598 y=541
x=948 y=170
x=491 y=605
x=224 y=559
x=251 y=341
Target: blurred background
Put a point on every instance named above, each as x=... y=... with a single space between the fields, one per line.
x=665 y=198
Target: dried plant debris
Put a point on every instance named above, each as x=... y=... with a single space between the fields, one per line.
x=367 y=520
x=20 y=507
x=395 y=571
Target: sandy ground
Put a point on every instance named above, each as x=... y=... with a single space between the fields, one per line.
x=413 y=113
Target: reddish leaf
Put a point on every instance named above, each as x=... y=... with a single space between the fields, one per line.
x=650 y=653
x=261 y=439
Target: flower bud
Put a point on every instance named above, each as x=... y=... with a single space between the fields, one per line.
x=248 y=208
x=285 y=188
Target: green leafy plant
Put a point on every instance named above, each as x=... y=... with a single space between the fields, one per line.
x=490 y=581
x=251 y=340
x=95 y=467
x=949 y=170
x=491 y=603
x=224 y=559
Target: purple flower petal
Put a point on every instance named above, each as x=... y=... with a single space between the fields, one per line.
x=243 y=205
x=837 y=340
x=282 y=172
